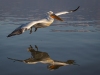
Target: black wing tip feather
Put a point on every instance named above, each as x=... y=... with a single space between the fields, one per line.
x=11 y=35
x=76 y=9
x=16 y=32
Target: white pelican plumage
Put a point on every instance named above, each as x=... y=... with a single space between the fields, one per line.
x=41 y=23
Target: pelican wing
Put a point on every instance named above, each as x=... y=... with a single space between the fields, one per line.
x=27 y=26
x=34 y=23
x=65 y=12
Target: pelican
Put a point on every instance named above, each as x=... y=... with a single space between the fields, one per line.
x=40 y=23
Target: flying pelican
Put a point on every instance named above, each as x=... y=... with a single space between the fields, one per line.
x=41 y=23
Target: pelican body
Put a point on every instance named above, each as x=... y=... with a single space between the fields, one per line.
x=40 y=23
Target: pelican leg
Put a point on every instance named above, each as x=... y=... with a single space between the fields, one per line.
x=35 y=29
x=31 y=30
x=36 y=47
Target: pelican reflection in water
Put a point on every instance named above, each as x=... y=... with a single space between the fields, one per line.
x=40 y=23
x=43 y=57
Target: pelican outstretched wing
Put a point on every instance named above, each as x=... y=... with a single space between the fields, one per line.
x=65 y=12
x=24 y=27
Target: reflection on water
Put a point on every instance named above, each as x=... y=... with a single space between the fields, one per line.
x=44 y=58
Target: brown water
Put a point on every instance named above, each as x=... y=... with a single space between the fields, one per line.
x=74 y=42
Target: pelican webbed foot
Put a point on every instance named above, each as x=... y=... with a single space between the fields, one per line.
x=31 y=30
x=35 y=29
x=36 y=47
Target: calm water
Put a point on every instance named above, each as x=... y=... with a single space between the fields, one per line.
x=73 y=45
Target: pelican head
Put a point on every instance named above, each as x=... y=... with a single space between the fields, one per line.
x=52 y=15
x=50 y=12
